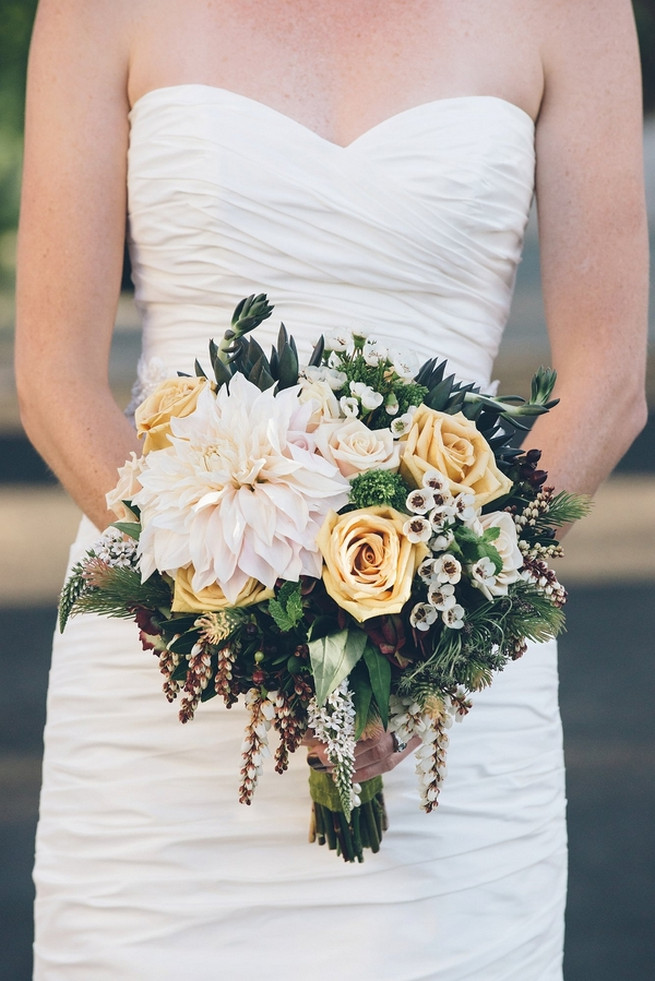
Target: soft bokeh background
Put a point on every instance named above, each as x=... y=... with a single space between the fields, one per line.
x=606 y=662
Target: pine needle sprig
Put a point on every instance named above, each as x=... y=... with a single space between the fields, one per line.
x=122 y=591
x=74 y=588
x=565 y=508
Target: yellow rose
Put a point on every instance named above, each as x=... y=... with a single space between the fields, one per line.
x=212 y=598
x=452 y=445
x=173 y=397
x=369 y=562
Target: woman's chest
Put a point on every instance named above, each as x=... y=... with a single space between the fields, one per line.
x=341 y=66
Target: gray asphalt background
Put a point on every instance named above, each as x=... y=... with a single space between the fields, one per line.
x=606 y=664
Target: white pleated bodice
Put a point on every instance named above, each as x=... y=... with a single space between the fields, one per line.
x=413 y=231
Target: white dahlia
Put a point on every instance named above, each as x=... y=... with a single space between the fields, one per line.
x=240 y=492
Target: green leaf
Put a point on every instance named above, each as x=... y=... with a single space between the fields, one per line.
x=473 y=547
x=317 y=353
x=362 y=695
x=185 y=643
x=333 y=658
x=286 y=608
x=130 y=528
x=322 y=626
x=379 y=671
x=288 y=366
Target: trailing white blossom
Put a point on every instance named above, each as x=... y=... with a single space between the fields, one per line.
x=420 y=501
x=334 y=725
x=407 y=720
x=349 y=406
x=255 y=747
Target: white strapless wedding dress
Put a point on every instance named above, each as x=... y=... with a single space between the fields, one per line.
x=147 y=867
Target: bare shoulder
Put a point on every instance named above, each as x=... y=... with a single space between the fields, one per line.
x=92 y=20
x=590 y=46
x=90 y=39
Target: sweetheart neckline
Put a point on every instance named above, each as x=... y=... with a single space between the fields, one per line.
x=164 y=90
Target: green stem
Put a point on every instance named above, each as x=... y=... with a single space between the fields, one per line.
x=348 y=836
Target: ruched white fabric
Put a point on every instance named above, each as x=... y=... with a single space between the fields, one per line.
x=147 y=867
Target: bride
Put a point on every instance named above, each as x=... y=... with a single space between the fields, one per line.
x=366 y=163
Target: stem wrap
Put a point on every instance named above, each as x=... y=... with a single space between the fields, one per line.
x=323 y=790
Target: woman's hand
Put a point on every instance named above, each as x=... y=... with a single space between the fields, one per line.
x=373 y=756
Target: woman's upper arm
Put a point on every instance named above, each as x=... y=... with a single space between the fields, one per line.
x=74 y=188
x=590 y=193
x=593 y=238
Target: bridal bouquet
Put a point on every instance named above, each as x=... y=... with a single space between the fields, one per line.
x=349 y=544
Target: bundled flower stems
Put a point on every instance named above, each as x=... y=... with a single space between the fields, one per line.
x=346 y=545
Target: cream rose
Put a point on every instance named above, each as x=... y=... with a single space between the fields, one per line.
x=354 y=448
x=452 y=445
x=369 y=562
x=212 y=598
x=128 y=485
x=175 y=397
x=327 y=406
x=506 y=544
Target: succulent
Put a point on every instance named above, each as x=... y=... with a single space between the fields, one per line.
x=496 y=418
x=238 y=354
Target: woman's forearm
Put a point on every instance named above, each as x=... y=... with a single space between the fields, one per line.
x=583 y=438
x=82 y=435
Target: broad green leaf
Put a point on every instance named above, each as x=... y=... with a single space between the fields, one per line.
x=184 y=644
x=379 y=671
x=130 y=528
x=362 y=694
x=333 y=658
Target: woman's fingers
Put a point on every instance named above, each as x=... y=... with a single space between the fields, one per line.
x=373 y=756
x=374 y=760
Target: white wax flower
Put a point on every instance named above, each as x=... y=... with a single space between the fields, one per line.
x=369 y=398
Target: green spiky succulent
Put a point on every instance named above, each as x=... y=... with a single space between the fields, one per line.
x=496 y=418
x=237 y=353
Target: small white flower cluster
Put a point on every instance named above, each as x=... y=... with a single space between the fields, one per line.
x=334 y=725
x=434 y=511
x=116 y=549
x=407 y=720
x=360 y=395
x=404 y=364
x=323 y=373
